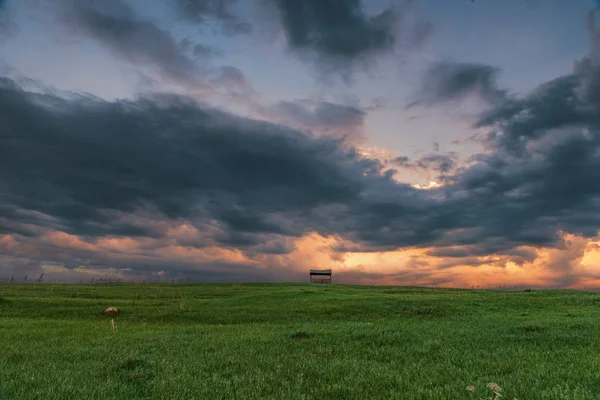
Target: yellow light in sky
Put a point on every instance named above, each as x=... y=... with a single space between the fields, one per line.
x=430 y=185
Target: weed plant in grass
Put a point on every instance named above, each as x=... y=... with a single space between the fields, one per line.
x=296 y=341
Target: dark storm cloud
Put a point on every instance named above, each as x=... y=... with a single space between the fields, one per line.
x=340 y=35
x=79 y=165
x=118 y=27
x=223 y=11
x=340 y=28
x=553 y=105
x=537 y=181
x=540 y=179
x=450 y=81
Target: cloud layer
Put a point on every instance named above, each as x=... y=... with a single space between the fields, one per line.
x=170 y=156
x=165 y=184
x=95 y=169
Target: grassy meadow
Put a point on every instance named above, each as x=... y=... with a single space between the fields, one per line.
x=296 y=341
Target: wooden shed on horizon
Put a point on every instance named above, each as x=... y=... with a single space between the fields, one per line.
x=320 y=276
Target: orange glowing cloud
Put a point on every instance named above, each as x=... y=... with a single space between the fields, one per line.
x=575 y=265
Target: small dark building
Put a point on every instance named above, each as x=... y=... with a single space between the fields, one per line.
x=320 y=276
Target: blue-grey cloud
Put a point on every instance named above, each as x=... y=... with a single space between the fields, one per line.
x=6 y=23
x=340 y=35
x=336 y=28
x=450 y=81
x=118 y=27
x=222 y=11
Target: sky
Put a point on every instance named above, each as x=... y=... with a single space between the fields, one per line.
x=450 y=143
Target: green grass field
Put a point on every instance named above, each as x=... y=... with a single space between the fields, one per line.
x=296 y=341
